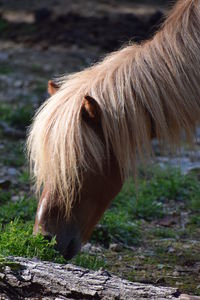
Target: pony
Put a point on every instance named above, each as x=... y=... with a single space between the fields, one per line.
x=88 y=137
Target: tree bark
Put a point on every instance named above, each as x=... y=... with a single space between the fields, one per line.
x=33 y=279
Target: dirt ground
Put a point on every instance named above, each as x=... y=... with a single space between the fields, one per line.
x=40 y=40
x=88 y=7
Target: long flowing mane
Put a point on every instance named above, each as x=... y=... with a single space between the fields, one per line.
x=152 y=85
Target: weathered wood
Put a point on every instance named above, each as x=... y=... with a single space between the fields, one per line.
x=33 y=279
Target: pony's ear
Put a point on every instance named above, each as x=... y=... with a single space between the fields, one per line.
x=90 y=110
x=52 y=87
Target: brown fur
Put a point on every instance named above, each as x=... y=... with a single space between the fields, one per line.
x=136 y=93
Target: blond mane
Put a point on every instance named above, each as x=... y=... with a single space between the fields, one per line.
x=154 y=84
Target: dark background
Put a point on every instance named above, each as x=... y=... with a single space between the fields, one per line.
x=103 y=24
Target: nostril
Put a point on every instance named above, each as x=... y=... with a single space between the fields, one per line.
x=72 y=249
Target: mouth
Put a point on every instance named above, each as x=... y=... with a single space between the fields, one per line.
x=71 y=250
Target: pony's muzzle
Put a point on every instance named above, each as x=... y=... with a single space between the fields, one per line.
x=71 y=250
x=68 y=240
x=51 y=222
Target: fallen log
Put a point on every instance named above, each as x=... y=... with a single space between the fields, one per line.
x=22 y=278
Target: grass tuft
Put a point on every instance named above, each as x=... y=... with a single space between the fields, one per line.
x=123 y=222
x=16 y=239
x=89 y=261
x=19 y=117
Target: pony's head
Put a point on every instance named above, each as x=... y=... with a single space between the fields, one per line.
x=70 y=212
x=87 y=138
x=82 y=145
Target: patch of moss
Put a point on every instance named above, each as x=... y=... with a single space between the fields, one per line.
x=5 y=262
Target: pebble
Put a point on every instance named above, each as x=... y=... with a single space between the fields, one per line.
x=171 y=250
x=15 y=198
x=115 y=247
x=47 y=68
x=18 y=83
x=89 y=248
x=12 y=171
x=160 y=266
x=86 y=248
x=175 y=273
x=4 y=56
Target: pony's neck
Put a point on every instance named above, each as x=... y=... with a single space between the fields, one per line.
x=167 y=73
x=152 y=88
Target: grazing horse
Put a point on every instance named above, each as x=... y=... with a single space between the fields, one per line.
x=87 y=137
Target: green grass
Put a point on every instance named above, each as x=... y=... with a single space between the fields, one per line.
x=16 y=239
x=24 y=177
x=40 y=89
x=164 y=233
x=195 y=220
x=36 y=69
x=5 y=69
x=5 y=111
x=164 y=185
x=120 y=223
x=17 y=116
x=147 y=201
x=89 y=261
x=14 y=156
x=5 y=196
x=23 y=209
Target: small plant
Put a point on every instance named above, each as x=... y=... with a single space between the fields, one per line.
x=5 y=111
x=19 y=117
x=195 y=220
x=89 y=261
x=24 y=177
x=23 y=209
x=16 y=239
x=121 y=227
x=164 y=233
x=40 y=89
x=5 y=196
x=15 y=156
x=163 y=185
x=5 y=69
